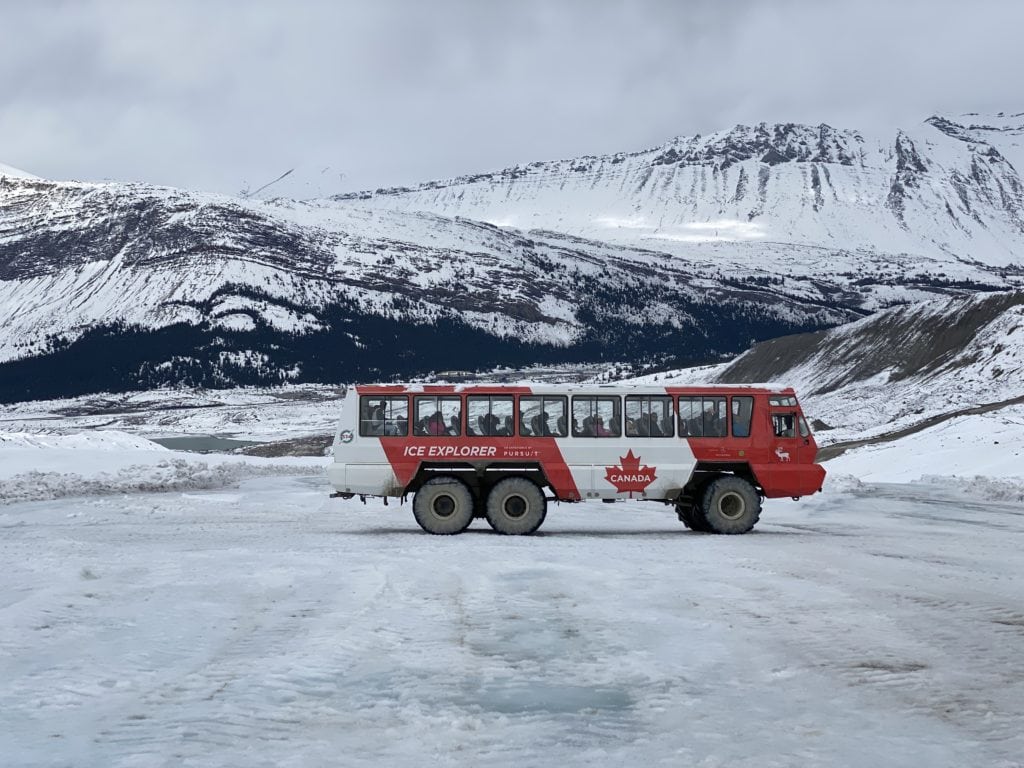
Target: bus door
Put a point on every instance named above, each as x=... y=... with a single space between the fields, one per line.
x=790 y=433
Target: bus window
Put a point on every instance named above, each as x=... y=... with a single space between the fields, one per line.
x=384 y=416
x=596 y=417
x=702 y=417
x=649 y=416
x=437 y=416
x=742 y=410
x=784 y=424
x=489 y=416
x=542 y=417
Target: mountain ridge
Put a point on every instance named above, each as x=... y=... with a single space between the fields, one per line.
x=947 y=190
x=229 y=291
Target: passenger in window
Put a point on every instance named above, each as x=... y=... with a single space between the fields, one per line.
x=509 y=427
x=600 y=430
x=377 y=418
x=455 y=424
x=436 y=425
x=655 y=428
x=717 y=426
x=643 y=426
x=545 y=428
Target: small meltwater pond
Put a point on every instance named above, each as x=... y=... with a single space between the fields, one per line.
x=203 y=443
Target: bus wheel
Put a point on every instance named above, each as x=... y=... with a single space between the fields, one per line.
x=730 y=505
x=516 y=506
x=443 y=506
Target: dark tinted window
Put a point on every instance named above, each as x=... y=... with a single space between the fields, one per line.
x=742 y=410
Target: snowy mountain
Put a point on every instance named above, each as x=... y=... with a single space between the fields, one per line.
x=686 y=253
x=112 y=287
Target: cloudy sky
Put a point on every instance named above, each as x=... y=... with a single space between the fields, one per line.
x=222 y=95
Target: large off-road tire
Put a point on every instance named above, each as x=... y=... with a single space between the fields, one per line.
x=693 y=518
x=516 y=506
x=443 y=506
x=730 y=505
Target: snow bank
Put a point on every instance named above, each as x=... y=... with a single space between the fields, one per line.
x=842 y=483
x=982 y=488
x=37 y=467
x=168 y=475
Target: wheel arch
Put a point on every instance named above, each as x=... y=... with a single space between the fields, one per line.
x=707 y=471
x=480 y=477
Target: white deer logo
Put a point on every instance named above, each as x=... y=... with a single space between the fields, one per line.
x=782 y=453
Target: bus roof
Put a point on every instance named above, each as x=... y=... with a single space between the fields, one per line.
x=571 y=389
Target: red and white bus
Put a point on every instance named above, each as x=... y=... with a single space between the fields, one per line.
x=502 y=452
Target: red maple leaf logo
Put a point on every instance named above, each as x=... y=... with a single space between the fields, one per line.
x=629 y=476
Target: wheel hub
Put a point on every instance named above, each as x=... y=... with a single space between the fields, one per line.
x=515 y=506
x=732 y=506
x=443 y=506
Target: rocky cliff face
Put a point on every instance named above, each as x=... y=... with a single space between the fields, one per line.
x=686 y=253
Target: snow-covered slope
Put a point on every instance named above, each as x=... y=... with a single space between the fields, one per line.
x=983 y=445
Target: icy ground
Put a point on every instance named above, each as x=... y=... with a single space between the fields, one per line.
x=268 y=625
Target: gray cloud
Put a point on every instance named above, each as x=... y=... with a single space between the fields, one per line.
x=215 y=95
